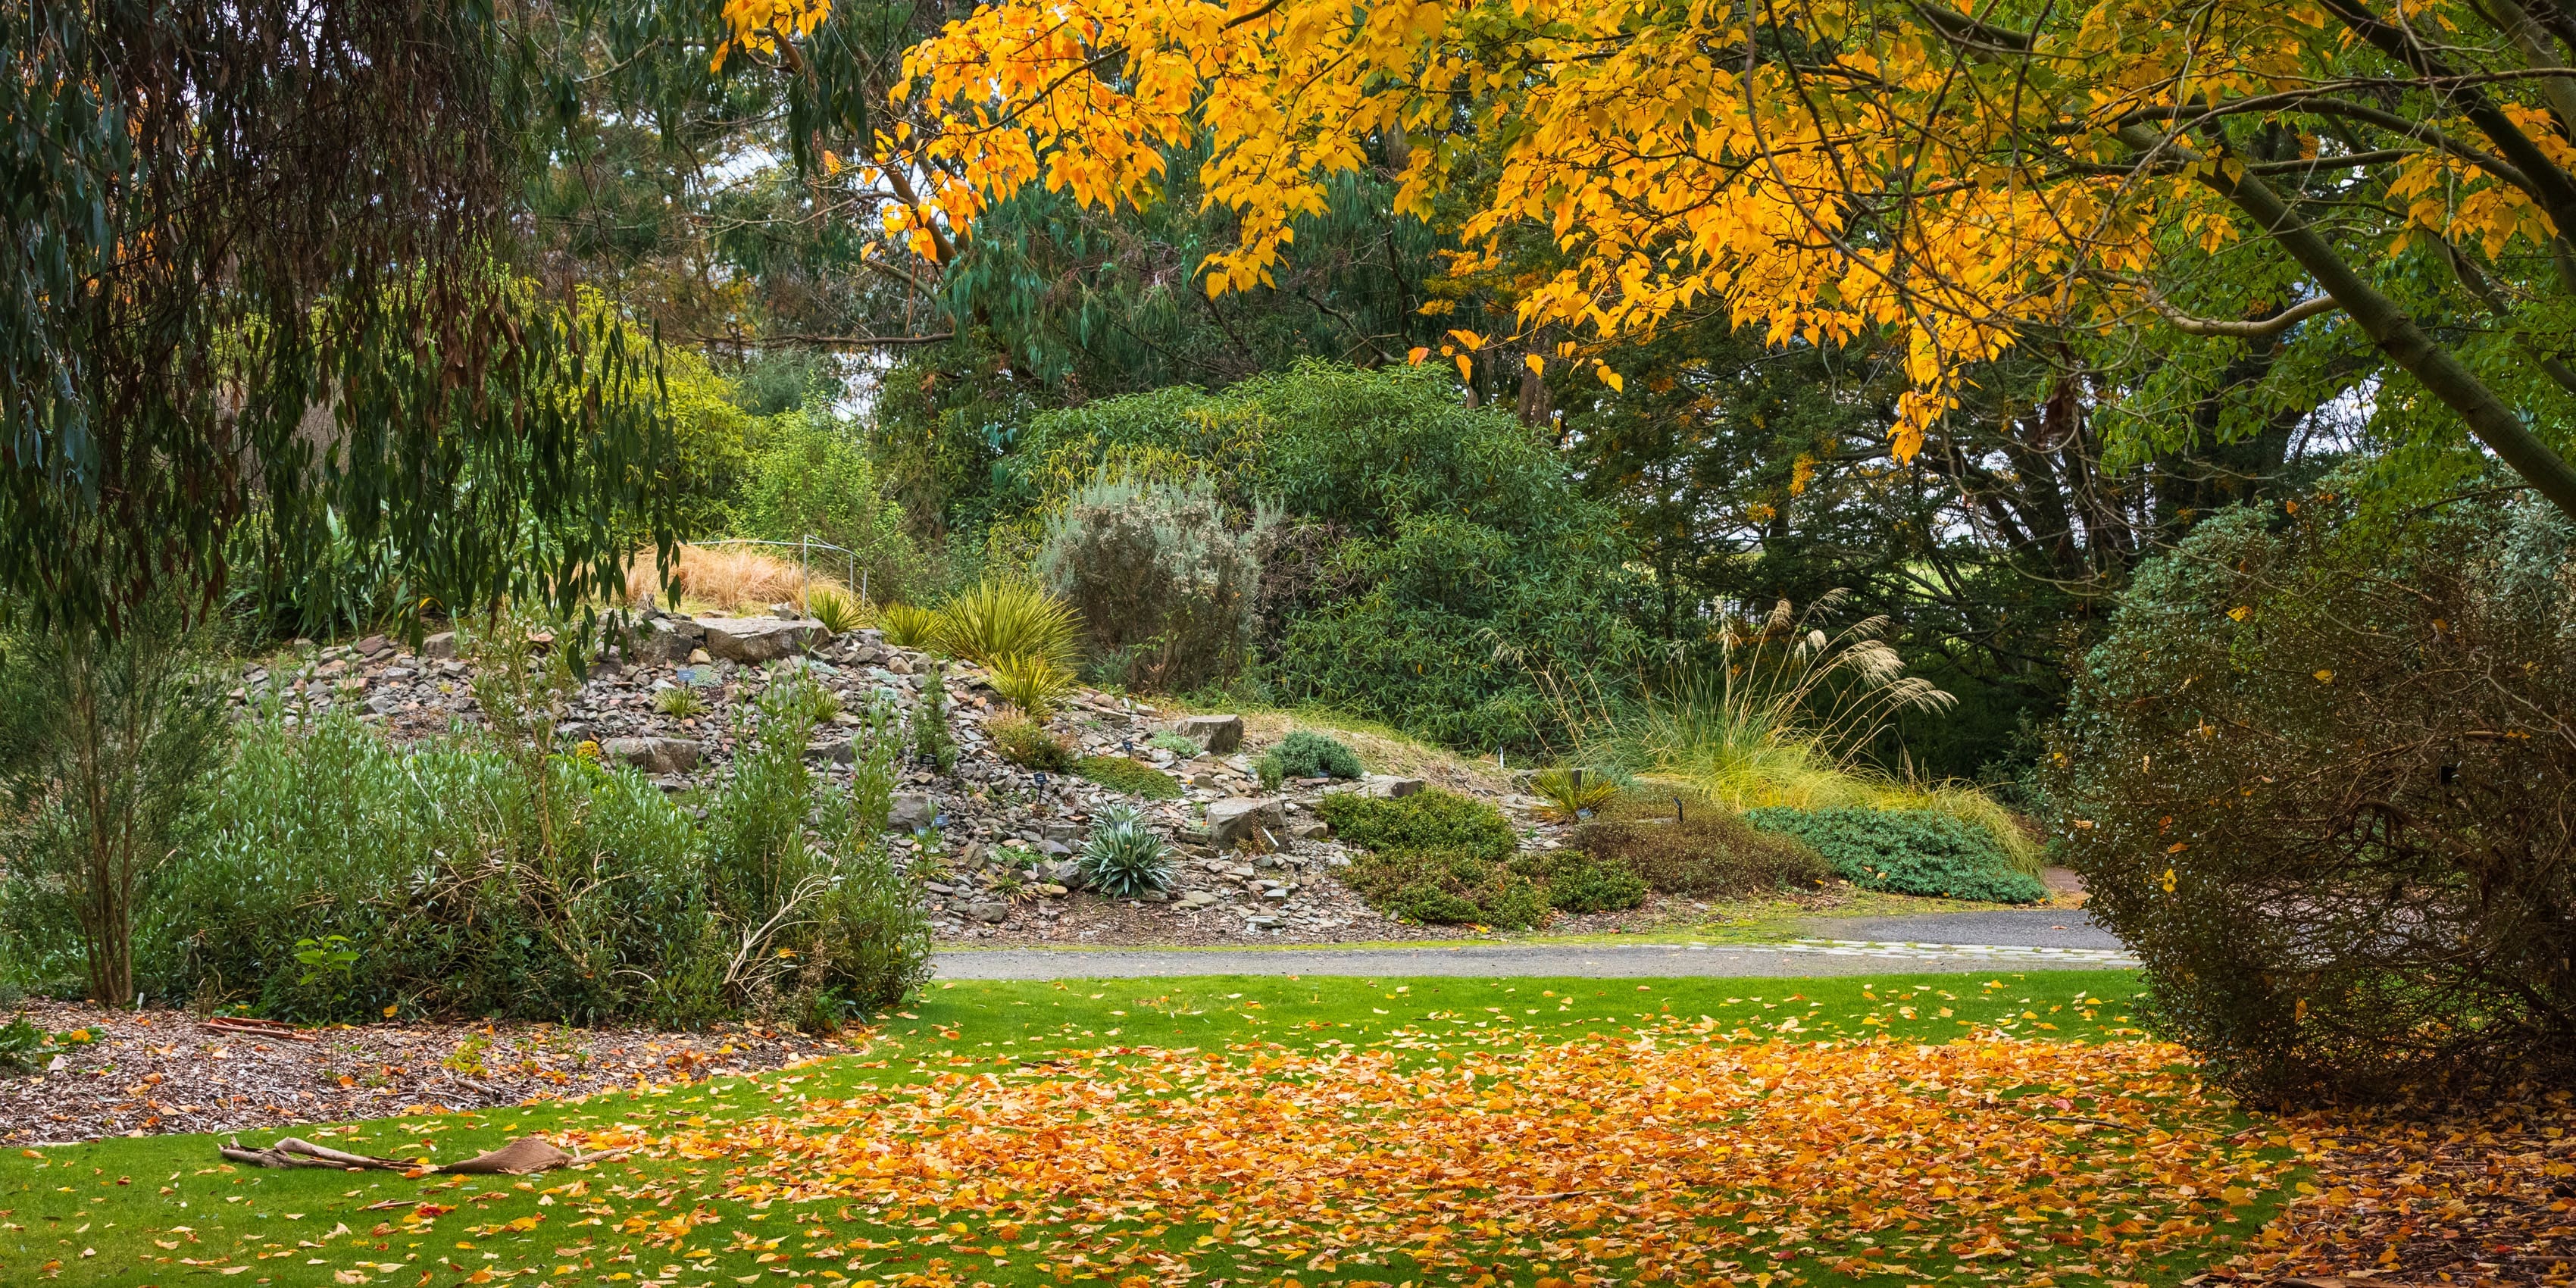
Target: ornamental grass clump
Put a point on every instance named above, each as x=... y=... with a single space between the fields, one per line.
x=1573 y=792
x=1026 y=743
x=1124 y=859
x=908 y=625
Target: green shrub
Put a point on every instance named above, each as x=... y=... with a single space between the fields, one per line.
x=933 y=744
x=1123 y=858
x=1447 y=887
x=1026 y=743
x=334 y=876
x=1418 y=532
x=908 y=625
x=2316 y=776
x=1175 y=744
x=1307 y=754
x=105 y=746
x=1919 y=852
x=1576 y=882
x=811 y=477
x=1120 y=774
x=1430 y=819
x=1162 y=576
x=1688 y=844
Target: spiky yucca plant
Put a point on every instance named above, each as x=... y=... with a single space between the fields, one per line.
x=907 y=625
x=1033 y=684
x=839 y=613
x=1573 y=792
x=1124 y=858
x=1002 y=618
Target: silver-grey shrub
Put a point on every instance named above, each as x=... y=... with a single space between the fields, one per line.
x=1164 y=578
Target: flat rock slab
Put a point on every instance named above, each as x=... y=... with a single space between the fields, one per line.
x=2017 y=927
x=1590 y=961
x=759 y=639
x=1219 y=734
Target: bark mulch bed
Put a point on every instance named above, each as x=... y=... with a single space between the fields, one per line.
x=160 y=1071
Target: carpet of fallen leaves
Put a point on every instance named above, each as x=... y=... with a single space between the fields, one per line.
x=1676 y=1155
x=2422 y=1195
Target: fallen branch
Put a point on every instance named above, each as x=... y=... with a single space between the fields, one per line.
x=260 y=1029
x=518 y=1158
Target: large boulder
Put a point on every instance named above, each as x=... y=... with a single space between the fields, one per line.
x=1389 y=786
x=441 y=646
x=653 y=755
x=912 y=812
x=667 y=639
x=1219 y=734
x=759 y=639
x=1231 y=821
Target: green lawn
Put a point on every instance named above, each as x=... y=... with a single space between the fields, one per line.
x=164 y=1211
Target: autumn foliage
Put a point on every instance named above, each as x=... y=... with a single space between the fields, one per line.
x=1680 y=1152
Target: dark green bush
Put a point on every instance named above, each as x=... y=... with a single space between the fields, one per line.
x=1908 y=851
x=1707 y=851
x=1120 y=774
x=2318 y=776
x=1430 y=819
x=1575 y=882
x=1447 y=887
x=1307 y=754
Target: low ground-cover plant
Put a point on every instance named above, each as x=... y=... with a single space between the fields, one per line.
x=1307 y=754
x=1577 y=882
x=1118 y=773
x=1026 y=743
x=1431 y=819
x=1686 y=843
x=1450 y=886
x=1920 y=852
x=1175 y=744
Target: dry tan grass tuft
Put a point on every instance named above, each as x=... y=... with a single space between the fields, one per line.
x=728 y=577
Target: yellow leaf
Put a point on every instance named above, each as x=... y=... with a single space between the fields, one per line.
x=1413 y=357
x=1611 y=378
x=1466 y=367
x=1535 y=363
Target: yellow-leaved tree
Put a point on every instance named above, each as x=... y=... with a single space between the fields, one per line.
x=2387 y=177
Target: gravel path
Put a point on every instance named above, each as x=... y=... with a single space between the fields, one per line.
x=2023 y=927
x=1644 y=961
